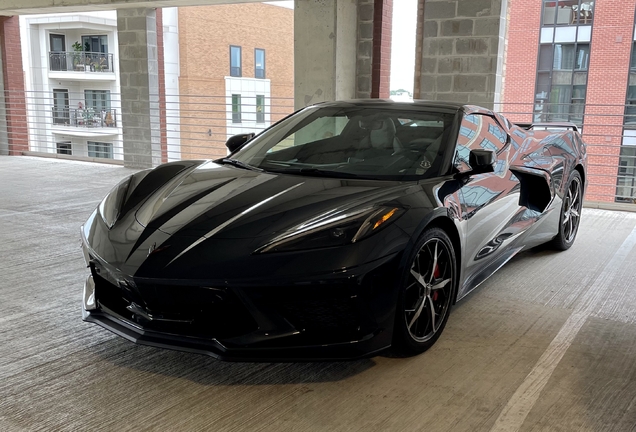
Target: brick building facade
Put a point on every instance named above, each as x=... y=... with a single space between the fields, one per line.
x=209 y=83
x=570 y=61
x=13 y=83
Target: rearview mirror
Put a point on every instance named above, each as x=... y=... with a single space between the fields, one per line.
x=235 y=142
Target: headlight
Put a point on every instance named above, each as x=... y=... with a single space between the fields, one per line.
x=335 y=228
x=110 y=206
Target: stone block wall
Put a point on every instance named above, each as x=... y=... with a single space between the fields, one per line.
x=364 y=55
x=461 y=45
x=139 y=77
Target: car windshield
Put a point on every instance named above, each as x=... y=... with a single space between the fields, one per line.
x=387 y=143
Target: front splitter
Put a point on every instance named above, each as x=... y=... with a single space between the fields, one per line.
x=353 y=350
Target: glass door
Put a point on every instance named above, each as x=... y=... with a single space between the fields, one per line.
x=60 y=107
x=57 y=54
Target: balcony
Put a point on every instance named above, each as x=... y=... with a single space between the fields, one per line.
x=81 y=65
x=84 y=122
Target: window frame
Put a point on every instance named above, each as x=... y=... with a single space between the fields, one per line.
x=91 y=43
x=96 y=153
x=626 y=172
x=236 y=108
x=260 y=115
x=236 y=71
x=572 y=22
x=545 y=109
x=256 y=69
x=105 y=99
x=66 y=109
x=630 y=102
x=64 y=151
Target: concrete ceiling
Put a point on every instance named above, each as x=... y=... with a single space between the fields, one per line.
x=23 y=7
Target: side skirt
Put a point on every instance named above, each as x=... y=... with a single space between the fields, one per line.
x=489 y=270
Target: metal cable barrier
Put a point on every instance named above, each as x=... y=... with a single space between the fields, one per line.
x=96 y=125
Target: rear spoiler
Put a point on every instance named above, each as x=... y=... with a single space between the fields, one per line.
x=548 y=126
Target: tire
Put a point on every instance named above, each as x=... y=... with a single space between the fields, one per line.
x=427 y=290
x=570 y=213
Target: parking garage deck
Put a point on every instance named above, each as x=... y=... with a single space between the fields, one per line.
x=547 y=343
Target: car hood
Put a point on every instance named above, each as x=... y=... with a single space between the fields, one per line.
x=182 y=210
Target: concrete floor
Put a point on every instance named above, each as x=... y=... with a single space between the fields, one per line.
x=548 y=343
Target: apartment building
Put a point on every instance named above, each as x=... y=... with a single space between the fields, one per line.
x=227 y=70
x=575 y=61
x=72 y=84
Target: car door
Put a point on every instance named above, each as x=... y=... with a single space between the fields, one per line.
x=489 y=202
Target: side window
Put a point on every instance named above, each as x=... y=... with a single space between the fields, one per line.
x=477 y=131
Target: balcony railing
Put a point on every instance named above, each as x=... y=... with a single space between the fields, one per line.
x=85 y=118
x=80 y=62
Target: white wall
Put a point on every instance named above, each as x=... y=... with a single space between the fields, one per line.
x=248 y=88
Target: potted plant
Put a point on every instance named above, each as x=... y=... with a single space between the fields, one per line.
x=77 y=56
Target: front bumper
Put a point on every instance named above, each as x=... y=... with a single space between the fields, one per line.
x=347 y=315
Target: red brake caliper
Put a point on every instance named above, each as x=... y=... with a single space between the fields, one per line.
x=435 y=276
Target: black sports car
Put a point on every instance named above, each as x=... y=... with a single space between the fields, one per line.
x=342 y=230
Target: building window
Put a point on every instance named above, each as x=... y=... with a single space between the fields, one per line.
x=626 y=184
x=235 y=61
x=236 y=108
x=260 y=109
x=630 y=109
x=567 y=12
x=626 y=181
x=100 y=150
x=97 y=100
x=95 y=56
x=259 y=63
x=95 y=44
x=562 y=82
x=60 y=107
x=57 y=55
x=64 y=148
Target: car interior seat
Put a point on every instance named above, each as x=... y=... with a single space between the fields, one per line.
x=383 y=138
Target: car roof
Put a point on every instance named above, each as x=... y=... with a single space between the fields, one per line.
x=375 y=103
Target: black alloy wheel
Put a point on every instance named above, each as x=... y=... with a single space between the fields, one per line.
x=427 y=293
x=570 y=213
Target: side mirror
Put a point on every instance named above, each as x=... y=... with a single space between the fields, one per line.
x=481 y=162
x=236 y=142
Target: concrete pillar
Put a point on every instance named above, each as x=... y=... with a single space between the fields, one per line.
x=364 y=54
x=461 y=44
x=342 y=49
x=13 y=116
x=325 y=39
x=139 y=75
